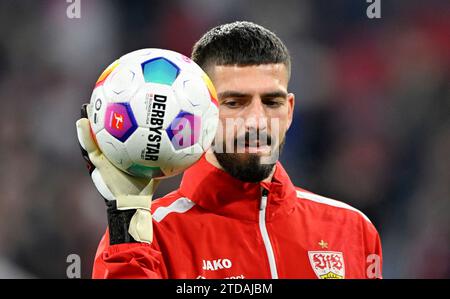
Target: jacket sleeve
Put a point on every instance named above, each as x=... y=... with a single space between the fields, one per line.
x=128 y=260
x=373 y=252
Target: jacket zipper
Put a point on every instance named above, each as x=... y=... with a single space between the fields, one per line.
x=265 y=235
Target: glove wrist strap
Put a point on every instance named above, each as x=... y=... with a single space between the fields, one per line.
x=118 y=223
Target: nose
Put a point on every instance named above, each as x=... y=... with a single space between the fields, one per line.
x=256 y=118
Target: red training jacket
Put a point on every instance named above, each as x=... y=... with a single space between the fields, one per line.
x=216 y=226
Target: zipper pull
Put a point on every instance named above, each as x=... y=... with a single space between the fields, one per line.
x=263 y=204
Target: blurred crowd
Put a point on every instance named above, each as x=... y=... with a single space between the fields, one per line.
x=371 y=126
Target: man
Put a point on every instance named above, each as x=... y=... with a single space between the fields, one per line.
x=236 y=214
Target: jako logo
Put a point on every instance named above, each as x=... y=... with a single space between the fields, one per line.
x=217 y=264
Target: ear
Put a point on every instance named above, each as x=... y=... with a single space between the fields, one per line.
x=291 y=106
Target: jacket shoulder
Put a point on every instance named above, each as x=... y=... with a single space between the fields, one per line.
x=322 y=204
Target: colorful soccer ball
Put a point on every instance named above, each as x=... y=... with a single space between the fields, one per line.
x=153 y=113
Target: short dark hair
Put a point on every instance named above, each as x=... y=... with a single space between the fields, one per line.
x=240 y=43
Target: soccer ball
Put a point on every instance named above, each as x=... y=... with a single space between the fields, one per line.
x=153 y=113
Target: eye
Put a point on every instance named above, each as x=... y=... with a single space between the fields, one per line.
x=273 y=103
x=231 y=103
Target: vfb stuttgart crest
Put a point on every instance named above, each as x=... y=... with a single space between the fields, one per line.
x=327 y=264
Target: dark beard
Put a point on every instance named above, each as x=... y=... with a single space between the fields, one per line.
x=246 y=167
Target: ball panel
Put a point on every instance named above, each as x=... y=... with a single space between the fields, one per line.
x=119 y=120
x=160 y=70
x=136 y=145
x=123 y=83
x=184 y=131
x=182 y=159
x=191 y=92
x=113 y=149
x=145 y=171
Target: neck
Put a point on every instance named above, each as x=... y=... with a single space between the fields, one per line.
x=211 y=158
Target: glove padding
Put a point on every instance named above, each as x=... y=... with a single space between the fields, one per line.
x=128 y=192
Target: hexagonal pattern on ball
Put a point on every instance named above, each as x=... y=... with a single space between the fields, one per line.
x=123 y=83
x=185 y=129
x=160 y=70
x=119 y=121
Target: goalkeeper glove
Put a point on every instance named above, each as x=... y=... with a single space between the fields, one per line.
x=128 y=197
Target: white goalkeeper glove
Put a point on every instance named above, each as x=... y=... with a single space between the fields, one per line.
x=125 y=195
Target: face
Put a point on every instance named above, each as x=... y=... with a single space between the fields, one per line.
x=255 y=111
